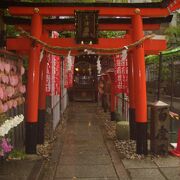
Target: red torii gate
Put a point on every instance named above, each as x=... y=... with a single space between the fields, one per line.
x=136 y=63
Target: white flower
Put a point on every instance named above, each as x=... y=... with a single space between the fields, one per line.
x=10 y=123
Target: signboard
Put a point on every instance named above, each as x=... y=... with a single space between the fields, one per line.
x=86 y=26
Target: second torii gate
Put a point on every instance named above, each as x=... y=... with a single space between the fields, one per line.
x=137 y=81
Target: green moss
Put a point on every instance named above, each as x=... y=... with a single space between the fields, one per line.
x=17 y=154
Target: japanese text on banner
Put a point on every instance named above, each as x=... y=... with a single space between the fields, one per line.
x=121 y=74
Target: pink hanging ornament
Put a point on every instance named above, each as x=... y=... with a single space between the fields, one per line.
x=15 y=103
x=22 y=89
x=7 y=79
x=1 y=66
x=22 y=70
x=3 y=78
x=10 y=104
x=7 y=67
x=14 y=68
x=9 y=91
x=5 y=107
x=1 y=93
x=16 y=80
x=1 y=107
x=4 y=93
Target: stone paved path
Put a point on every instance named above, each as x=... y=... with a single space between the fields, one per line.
x=87 y=153
x=83 y=151
x=84 y=154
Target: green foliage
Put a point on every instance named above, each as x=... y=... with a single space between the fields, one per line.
x=38 y=1
x=16 y=154
x=111 y=34
x=173 y=36
x=86 y=1
x=11 y=31
x=66 y=34
x=3 y=117
x=173 y=53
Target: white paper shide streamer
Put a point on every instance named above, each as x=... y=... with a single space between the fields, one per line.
x=99 y=65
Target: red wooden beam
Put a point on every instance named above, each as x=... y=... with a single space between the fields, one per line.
x=101 y=27
x=152 y=46
x=103 y=11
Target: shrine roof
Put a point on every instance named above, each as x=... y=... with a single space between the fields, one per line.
x=10 y=3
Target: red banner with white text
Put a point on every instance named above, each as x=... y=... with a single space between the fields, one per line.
x=53 y=75
x=68 y=71
x=48 y=76
x=121 y=74
x=53 y=72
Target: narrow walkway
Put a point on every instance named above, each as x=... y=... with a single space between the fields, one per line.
x=84 y=154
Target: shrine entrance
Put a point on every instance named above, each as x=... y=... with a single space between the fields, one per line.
x=131 y=17
x=85 y=79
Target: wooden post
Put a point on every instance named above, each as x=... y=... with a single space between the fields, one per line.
x=42 y=99
x=33 y=86
x=42 y=95
x=112 y=102
x=140 y=86
x=132 y=124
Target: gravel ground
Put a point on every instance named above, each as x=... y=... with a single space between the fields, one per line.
x=126 y=148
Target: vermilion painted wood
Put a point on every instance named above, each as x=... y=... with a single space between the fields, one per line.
x=151 y=46
x=42 y=78
x=42 y=83
x=103 y=11
x=139 y=71
x=33 y=72
x=131 y=66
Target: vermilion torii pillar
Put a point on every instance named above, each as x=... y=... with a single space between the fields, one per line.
x=42 y=99
x=139 y=86
x=33 y=86
x=132 y=124
x=112 y=95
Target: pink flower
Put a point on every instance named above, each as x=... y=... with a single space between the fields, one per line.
x=5 y=145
